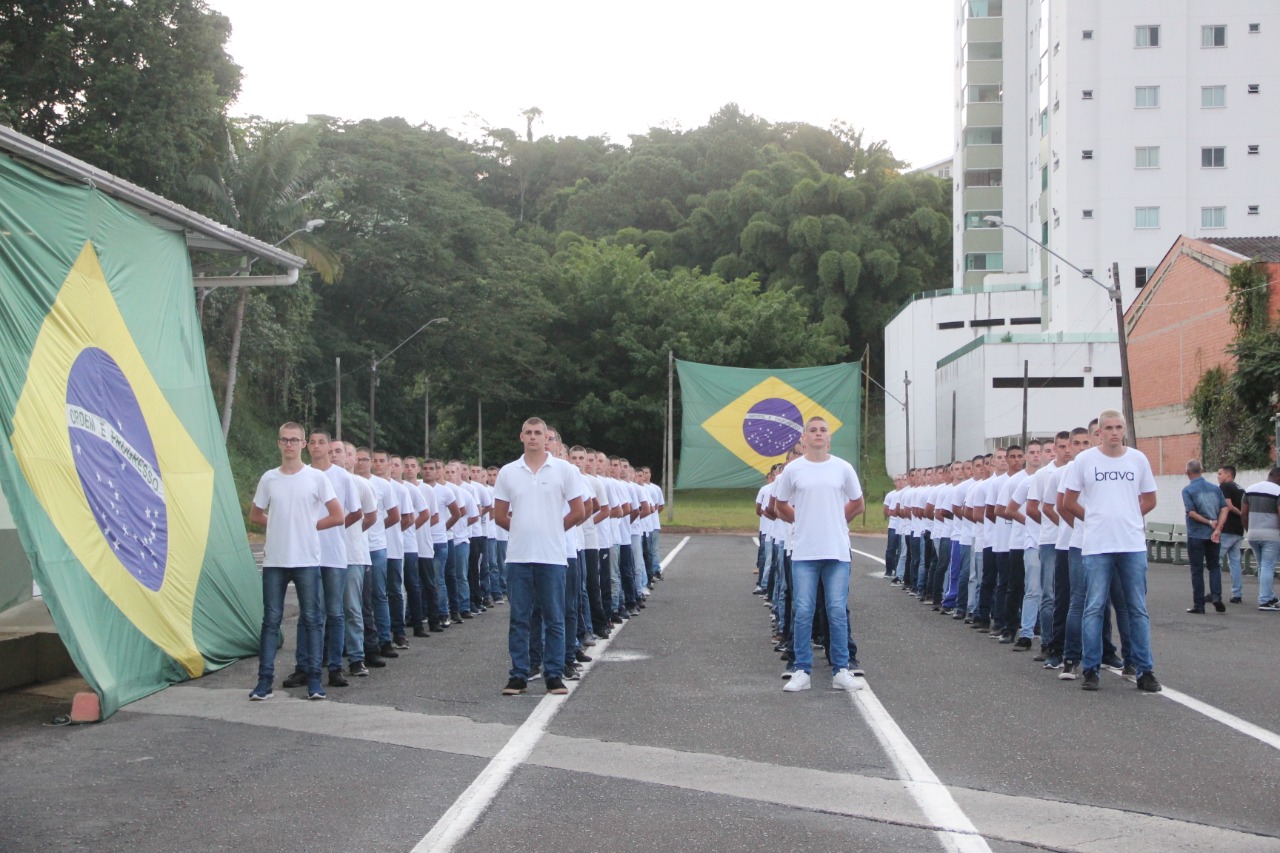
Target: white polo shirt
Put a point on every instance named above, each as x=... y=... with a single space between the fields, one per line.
x=536 y=500
x=386 y=500
x=293 y=504
x=357 y=539
x=818 y=492
x=333 y=542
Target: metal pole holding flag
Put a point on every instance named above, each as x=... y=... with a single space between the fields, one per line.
x=337 y=398
x=666 y=471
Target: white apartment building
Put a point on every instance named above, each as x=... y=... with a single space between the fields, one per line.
x=1105 y=130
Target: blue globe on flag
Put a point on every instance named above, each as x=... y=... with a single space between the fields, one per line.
x=772 y=426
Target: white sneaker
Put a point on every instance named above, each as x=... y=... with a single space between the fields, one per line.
x=844 y=680
x=799 y=681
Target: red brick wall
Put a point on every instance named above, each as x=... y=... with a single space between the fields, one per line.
x=1169 y=454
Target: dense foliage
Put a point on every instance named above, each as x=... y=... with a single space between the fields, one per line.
x=567 y=268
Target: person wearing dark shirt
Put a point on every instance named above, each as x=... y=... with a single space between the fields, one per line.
x=1233 y=530
x=1261 y=521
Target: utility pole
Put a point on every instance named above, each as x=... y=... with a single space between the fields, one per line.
x=479 y=433
x=1126 y=387
x=953 y=426
x=337 y=398
x=373 y=385
x=671 y=370
x=906 y=407
x=866 y=398
x=426 y=419
x=1026 y=383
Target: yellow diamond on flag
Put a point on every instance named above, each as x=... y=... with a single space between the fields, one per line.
x=760 y=426
x=111 y=464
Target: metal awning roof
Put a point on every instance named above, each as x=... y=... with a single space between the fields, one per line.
x=202 y=233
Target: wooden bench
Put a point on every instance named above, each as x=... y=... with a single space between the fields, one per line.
x=1159 y=542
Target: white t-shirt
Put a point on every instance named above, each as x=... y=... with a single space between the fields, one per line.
x=413 y=500
x=1007 y=533
x=461 y=530
x=657 y=500
x=398 y=498
x=818 y=492
x=357 y=539
x=1109 y=489
x=597 y=537
x=976 y=500
x=382 y=493
x=1042 y=490
x=762 y=501
x=423 y=531
x=622 y=525
x=293 y=504
x=576 y=539
x=333 y=542
x=1027 y=534
x=537 y=500
x=483 y=499
x=444 y=498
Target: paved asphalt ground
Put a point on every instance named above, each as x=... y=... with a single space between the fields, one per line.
x=679 y=738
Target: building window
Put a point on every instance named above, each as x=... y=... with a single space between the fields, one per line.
x=987 y=93
x=1087 y=35
x=1146 y=36
x=1087 y=272
x=1253 y=149
x=1146 y=157
x=1146 y=97
x=999 y=321
x=1087 y=94
x=1146 y=217
x=1024 y=321
x=1254 y=88
x=986 y=8
x=984 y=261
x=982 y=50
x=1213 y=35
x=1107 y=382
x=1038 y=382
x=1087 y=213
x=982 y=177
x=1255 y=28
x=951 y=324
x=983 y=135
x=1044 y=121
x=1253 y=210
x=1086 y=154
x=1213 y=97
x=1142 y=275
x=1213 y=217
x=978 y=219
x=1044 y=233
x=1214 y=157
x=1044 y=178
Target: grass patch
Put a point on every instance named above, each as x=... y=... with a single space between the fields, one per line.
x=734 y=509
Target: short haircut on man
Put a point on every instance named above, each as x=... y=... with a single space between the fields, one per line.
x=316 y=432
x=1230 y=469
x=1194 y=466
x=1062 y=435
x=1106 y=415
x=1080 y=431
x=293 y=425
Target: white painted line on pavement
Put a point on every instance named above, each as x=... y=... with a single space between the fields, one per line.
x=956 y=832
x=1245 y=727
x=466 y=810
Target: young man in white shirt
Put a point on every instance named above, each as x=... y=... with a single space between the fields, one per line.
x=529 y=499
x=344 y=456
x=1109 y=489
x=294 y=502
x=820 y=494
x=450 y=512
x=377 y=610
x=393 y=471
x=420 y=578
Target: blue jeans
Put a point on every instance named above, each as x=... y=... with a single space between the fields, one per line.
x=412 y=590
x=1072 y=649
x=500 y=556
x=639 y=572
x=307 y=583
x=379 y=596
x=891 y=552
x=655 y=557
x=459 y=557
x=352 y=598
x=1202 y=553
x=1048 y=560
x=491 y=564
x=834 y=576
x=572 y=615
x=395 y=595
x=627 y=575
x=1131 y=569
x=332 y=588
x=1267 y=554
x=1230 y=545
x=439 y=564
x=976 y=570
x=615 y=579
x=543 y=584
x=1032 y=593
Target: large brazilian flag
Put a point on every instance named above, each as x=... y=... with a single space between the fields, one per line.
x=112 y=460
x=737 y=422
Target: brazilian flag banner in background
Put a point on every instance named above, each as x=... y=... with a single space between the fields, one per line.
x=737 y=422
x=112 y=458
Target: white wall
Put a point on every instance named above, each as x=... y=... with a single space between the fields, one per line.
x=1169 y=494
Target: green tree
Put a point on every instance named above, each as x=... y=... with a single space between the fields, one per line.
x=136 y=87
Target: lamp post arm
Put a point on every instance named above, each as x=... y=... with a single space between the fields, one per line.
x=1114 y=291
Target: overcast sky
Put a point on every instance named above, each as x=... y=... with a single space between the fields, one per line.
x=599 y=68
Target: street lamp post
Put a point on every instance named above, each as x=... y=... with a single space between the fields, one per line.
x=1117 y=298
x=373 y=378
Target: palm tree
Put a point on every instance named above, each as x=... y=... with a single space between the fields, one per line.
x=262 y=189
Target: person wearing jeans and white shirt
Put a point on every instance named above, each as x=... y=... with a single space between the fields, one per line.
x=1261 y=518
x=820 y=494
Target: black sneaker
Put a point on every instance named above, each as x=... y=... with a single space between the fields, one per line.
x=1129 y=673
x=1236 y=600
x=1041 y=657
x=465 y=614
x=1219 y=606
x=421 y=632
x=1006 y=639
x=1070 y=670
x=358 y=669
x=374 y=661
x=400 y=642
x=535 y=670
x=571 y=675
x=455 y=617
x=1272 y=605
x=1113 y=662
x=337 y=679
x=298 y=679
x=1147 y=681
x=436 y=627
x=582 y=657
x=1023 y=644
x=1090 y=680
x=856 y=668
x=555 y=687
x=515 y=687
x=388 y=651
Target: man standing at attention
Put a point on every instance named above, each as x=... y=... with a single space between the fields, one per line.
x=529 y=499
x=294 y=503
x=1108 y=490
x=820 y=494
